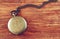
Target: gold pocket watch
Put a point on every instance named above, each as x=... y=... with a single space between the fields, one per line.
x=17 y=24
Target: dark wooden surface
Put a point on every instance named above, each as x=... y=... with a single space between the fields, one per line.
x=43 y=23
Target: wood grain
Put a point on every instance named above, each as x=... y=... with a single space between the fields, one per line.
x=43 y=23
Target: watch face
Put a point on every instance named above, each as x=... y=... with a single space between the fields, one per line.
x=17 y=25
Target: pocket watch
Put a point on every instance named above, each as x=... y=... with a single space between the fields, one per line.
x=18 y=24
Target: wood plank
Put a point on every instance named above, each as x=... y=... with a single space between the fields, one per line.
x=43 y=23
x=21 y=1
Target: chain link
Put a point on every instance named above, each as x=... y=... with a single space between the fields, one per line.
x=15 y=12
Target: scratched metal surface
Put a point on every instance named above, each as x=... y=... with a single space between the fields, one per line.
x=43 y=23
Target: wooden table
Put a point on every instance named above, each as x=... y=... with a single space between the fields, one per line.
x=43 y=23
